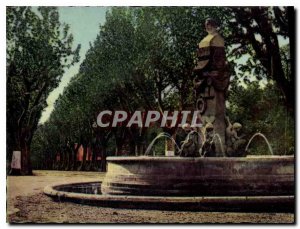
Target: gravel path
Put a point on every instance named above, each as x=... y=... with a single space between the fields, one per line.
x=27 y=204
x=42 y=209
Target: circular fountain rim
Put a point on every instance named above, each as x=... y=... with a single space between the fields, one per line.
x=177 y=158
x=202 y=203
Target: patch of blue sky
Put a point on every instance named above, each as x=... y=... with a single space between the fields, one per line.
x=84 y=24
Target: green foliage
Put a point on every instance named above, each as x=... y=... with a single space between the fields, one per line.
x=39 y=49
x=143 y=59
x=255 y=34
x=261 y=110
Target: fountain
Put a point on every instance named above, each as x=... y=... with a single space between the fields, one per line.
x=166 y=135
x=216 y=180
x=264 y=137
x=220 y=142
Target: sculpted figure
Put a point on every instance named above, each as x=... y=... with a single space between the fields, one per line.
x=235 y=144
x=209 y=147
x=211 y=66
x=191 y=145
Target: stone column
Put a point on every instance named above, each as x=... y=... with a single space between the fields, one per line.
x=211 y=83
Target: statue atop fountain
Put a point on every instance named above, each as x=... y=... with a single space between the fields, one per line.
x=212 y=81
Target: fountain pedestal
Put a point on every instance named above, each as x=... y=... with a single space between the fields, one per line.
x=212 y=81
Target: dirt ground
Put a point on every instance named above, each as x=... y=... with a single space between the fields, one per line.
x=26 y=203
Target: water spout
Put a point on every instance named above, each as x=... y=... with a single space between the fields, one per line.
x=264 y=137
x=203 y=139
x=220 y=141
x=163 y=134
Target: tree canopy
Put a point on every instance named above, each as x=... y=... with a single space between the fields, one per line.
x=39 y=49
x=143 y=59
x=257 y=31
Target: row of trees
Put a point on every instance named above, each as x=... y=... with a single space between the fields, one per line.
x=143 y=59
x=39 y=49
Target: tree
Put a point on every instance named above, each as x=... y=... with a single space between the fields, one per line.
x=143 y=59
x=256 y=31
x=39 y=48
x=260 y=109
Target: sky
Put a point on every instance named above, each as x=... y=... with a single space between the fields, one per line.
x=84 y=25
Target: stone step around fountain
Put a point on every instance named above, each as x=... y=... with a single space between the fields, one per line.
x=175 y=176
x=88 y=193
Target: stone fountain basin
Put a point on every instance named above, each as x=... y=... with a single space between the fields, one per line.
x=251 y=184
x=90 y=194
x=214 y=176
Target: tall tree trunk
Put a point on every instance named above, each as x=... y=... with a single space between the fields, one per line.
x=96 y=149
x=103 y=159
x=94 y=152
x=26 y=168
x=62 y=159
x=74 y=159
x=104 y=143
x=68 y=158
